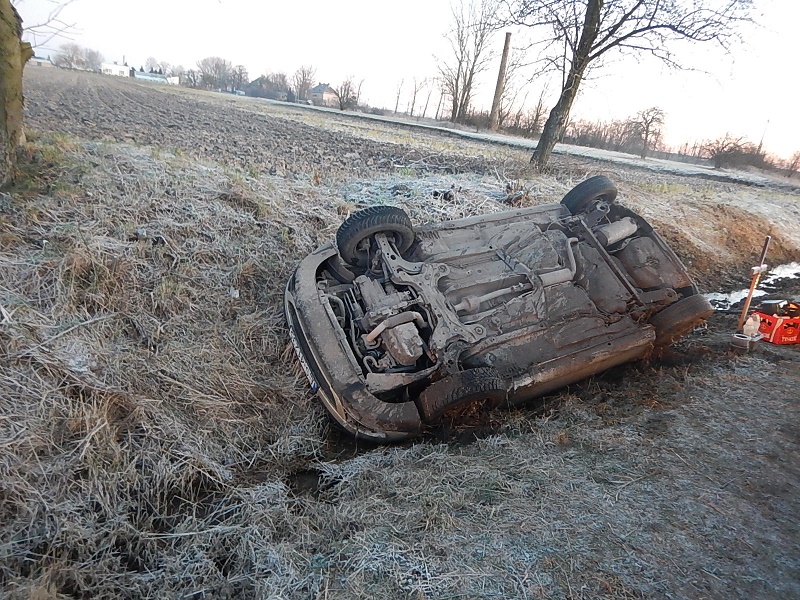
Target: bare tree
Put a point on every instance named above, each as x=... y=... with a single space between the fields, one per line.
x=70 y=56
x=792 y=164
x=415 y=89
x=728 y=151
x=215 y=72
x=239 y=77
x=164 y=66
x=648 y=123
x=151 y=64
x=532 y=122
x=193 y=78
x=92 y=60
x=280 y=81
x=345 y=94
x=470 y=53
x=177 y=71
x=303 y=81
x=579 y=32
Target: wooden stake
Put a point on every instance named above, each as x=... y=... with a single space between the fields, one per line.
x=757 y=271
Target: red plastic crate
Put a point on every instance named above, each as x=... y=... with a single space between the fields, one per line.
x=779 y=330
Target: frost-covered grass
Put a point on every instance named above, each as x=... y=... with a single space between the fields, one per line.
x=158 y=440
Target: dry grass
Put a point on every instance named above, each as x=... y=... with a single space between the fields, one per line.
x=142 y=377
x=157 y=440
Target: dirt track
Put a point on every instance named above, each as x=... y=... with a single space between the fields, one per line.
x=156 y=445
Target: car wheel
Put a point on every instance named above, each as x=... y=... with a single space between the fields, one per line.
x=461 y=389
x=586 y=193
x=364 y=224
x=680 y=318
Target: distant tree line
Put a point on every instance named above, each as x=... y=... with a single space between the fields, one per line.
x=639 y=134
x=220 y=74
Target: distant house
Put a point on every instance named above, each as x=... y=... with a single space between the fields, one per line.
x=323 y=95
x=115 y=69
x=38 y=61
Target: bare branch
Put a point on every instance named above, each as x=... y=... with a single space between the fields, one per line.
x=579 y=32
x=474 y=23
x=52 y=26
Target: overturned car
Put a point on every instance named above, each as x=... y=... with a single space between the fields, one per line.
x=396 y=326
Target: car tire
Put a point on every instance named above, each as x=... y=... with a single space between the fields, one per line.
x=366 y=223
x=586 y=193
x=679 y=319
x=339 y=270
x=461 y=389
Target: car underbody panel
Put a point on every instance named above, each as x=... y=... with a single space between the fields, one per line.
x=503 y=307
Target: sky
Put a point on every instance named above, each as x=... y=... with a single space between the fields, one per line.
x=750 y=92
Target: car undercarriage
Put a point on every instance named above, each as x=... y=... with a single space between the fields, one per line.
x=397 y=325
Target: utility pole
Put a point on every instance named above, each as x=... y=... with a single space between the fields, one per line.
x=498 y=90
x=761 y=143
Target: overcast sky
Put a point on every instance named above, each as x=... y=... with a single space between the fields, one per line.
x=751 y=93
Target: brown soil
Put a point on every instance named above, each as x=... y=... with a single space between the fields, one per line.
x=157 y=439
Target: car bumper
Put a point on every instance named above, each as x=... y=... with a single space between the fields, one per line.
x=327 y=361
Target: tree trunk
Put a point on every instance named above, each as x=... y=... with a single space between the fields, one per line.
x=425 y=110
x=646 y=140
x=13 y=55
x=556 y=122
x=644 y=147
x=466 y=96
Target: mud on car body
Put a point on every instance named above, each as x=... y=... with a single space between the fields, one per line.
x=397 y=325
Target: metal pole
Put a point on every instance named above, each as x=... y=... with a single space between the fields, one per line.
x=757 y=271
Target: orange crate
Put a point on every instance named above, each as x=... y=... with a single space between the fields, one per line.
x=779 y=330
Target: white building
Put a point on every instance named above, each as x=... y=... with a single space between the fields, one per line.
x=38 y=61
x=115 y=69
x=151 y=77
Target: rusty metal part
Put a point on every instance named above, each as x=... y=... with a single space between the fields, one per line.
x=611 y=233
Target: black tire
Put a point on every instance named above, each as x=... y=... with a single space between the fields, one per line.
x=680 y=318
x=461 y=389
x=586 y=193
x=366 y=223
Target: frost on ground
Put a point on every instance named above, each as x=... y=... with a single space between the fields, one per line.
x=158 y=440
